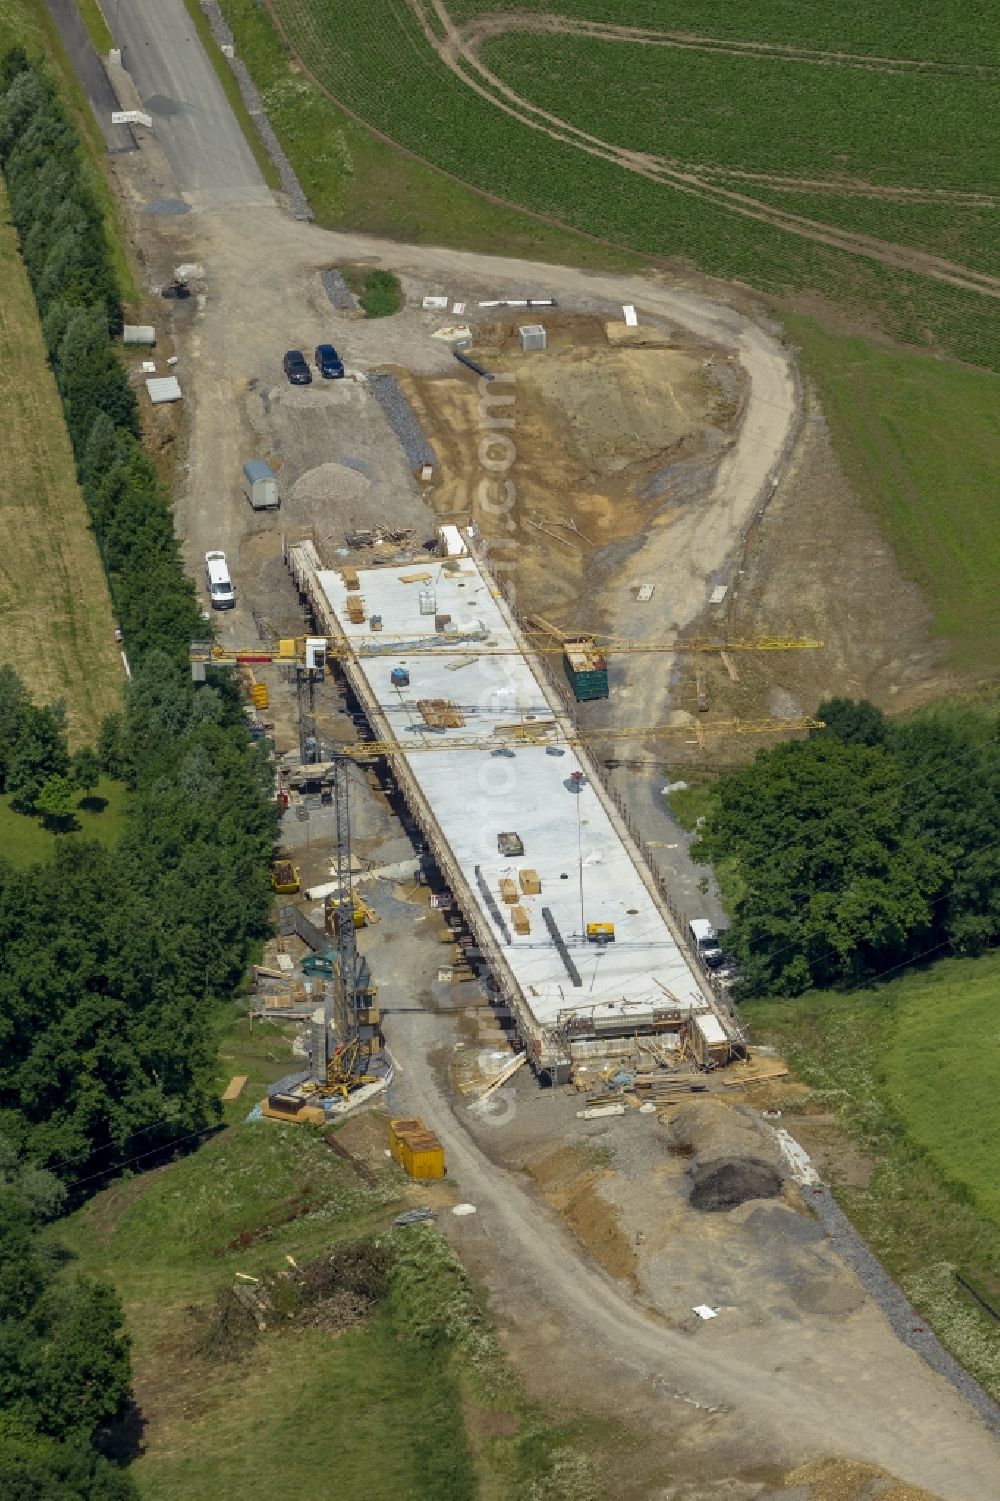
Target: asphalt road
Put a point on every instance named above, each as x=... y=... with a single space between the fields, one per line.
x=90 y=72
x=192 y=119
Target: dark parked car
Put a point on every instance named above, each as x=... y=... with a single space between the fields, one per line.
x=296 y=369
x=328 y=362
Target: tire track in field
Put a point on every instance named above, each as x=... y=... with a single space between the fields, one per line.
x=451 y=48
x=483 y=28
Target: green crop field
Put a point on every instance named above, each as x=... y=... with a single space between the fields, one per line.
x=953 y=31
x=909 y=1071
x=849 y=125
x=551 y=121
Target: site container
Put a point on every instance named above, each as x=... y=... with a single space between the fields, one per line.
x=586 y=670
x=260 y=486
x=416 y=1149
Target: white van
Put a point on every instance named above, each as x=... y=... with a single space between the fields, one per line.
x=706 y=942
x=217 y=581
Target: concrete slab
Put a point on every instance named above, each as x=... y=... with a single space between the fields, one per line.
x=587 y=874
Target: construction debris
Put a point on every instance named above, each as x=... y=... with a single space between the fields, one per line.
x=415 y=1216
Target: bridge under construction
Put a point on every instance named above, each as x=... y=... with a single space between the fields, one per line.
x=569 y=916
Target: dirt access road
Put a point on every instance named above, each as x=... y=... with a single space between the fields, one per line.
x=798 y=1396
x=770 y=1395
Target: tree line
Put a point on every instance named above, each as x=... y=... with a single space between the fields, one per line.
x=116 y=962
x=866 y=847
x=64 y=1358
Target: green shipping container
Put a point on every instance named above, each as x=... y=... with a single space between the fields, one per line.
x=587 y=682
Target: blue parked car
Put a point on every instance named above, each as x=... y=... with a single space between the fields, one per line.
x=328 y=362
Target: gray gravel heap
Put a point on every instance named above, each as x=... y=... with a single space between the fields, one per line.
x=255 y=106
x=401 y=418
x=338 y=291
x=906 y=1323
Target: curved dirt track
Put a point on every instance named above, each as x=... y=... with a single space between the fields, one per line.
x=792 y=1398
x=480 y=29
x=461 y=58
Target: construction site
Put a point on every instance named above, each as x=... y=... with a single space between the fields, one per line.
x=397 y=630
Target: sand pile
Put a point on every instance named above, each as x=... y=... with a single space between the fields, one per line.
x=733 y=1155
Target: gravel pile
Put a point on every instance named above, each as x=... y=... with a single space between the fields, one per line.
x=338 y=291
x=401 y=418
x=248 y=90
x=906 y=1322
x=333 y=482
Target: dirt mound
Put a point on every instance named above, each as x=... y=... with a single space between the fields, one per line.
x=733 y=1156
x=730 y=1181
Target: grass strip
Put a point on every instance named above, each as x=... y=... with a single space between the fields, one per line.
x=58 y=626
x=98 y=29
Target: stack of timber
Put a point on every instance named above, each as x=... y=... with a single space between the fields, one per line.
x=660 y=1088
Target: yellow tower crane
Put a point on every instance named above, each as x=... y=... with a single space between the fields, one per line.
x=549 y=733
x=294 y=649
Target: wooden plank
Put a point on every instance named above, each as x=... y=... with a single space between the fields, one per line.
x=762 y=1078
x=235 y=1087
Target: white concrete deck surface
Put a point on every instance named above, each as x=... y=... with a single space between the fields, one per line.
x=585 y=871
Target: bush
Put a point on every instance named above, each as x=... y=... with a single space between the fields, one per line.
x=382 y=295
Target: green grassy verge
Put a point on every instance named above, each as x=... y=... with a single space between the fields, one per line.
x=231 y=89
x=259 y=1050
x=947 y=1103
x=688 y=804
x=97 y=27
x=354 y=180
x=909 y=1072
x=24 y=840
x=920 y=440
